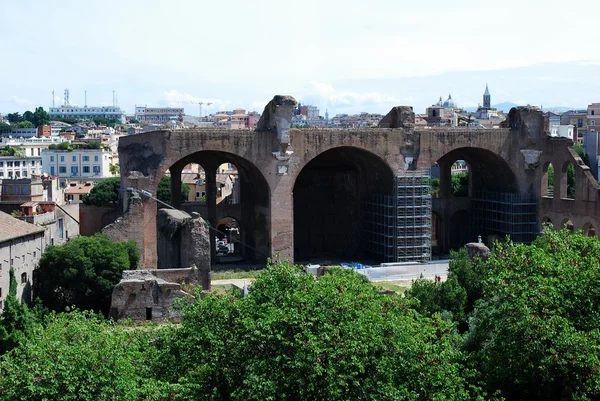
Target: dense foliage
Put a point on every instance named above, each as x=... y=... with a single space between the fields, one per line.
x=104 y=193
x=15 y=319
x=79 y=356
x=83 y=272
x=163 y=191
x=523 y=324
x=534 y=315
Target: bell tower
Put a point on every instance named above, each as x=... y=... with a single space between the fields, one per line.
x=487 y=98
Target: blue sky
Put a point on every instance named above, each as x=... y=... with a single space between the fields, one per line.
x=342 y=55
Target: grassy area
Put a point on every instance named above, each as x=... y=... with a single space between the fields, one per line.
x=233 y=274
x=397 y=286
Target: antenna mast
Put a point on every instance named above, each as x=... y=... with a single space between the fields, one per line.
x=85 y=95
x=52 y=98
x=66 y=97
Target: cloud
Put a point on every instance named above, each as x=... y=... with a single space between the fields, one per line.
x=175 y=98
x=18 y=101
x=328 y=96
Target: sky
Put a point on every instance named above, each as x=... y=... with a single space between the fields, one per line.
x=343 y=56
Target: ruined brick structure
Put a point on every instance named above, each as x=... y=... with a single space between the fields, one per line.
x=301 y=188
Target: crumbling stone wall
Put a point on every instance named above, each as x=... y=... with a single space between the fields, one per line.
x=150 y=294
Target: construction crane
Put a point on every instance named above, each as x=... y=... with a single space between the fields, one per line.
x=198 y=103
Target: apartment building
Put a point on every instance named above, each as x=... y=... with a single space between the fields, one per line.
x=158 y=114
x=593 y=117
x=78 y=164
x=19 y=166
x=31 y=147
x=88 y=113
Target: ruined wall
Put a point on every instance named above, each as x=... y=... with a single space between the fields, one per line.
x=150 y=294
x=94 y=218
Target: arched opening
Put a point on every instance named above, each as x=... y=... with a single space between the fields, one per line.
x=461 y=183
x=462 y=229
x=568 y=224
x=330 y=204
x=567 y=181
x=547 y=188
x=486 y=170
x=239 y=191
x=484 y=201
x=229 y=248
x=546 y=221
x=589 y=230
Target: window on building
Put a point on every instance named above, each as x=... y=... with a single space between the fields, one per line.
x=74 y=158
x=86 y=169
x=51 y=158
x=592 y=122
x=592 y=112
x=96 y=169
x=23 y=278
x=60 y=228
x=95 y=158
x=24 y=173
x=52 y=172
x=1 y=164
x=9 y=164
x=17 y=174
x=85 y=158
x=74 y=170
x=62 y=170
x=579 y=122
x=62 y=158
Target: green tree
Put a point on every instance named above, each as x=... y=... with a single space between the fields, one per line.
x=104 y=193
x=4 y=127
x=114 y=169
x=16 y=318
x=14 y=118
x=535 y=333
x=296 y=338
x=93 y=145
x=40 y=117
x=24 y=124
x=551 y=177
x=460 y=184
x=83 y=272
x=28 y=116
x=80 y=356
x=163 y=191
x=61 y=146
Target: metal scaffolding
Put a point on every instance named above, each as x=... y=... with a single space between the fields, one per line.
x=397 y=227
x=501 y=214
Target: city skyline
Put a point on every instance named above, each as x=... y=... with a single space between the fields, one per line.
x=341 y=56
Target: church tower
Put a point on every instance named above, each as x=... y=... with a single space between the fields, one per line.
x=487 y=98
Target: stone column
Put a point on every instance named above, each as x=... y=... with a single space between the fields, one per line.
x=176 y=185
x=210 y=171
x=445 y=180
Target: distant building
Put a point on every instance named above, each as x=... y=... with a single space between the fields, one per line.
x=76 y=191
x=79 y=164
x=21 y=246
x=591 y=146
x=158 y=114
x=31 y=147
x=486 y=112
x=564 y=131
x=443 y=113
x=20 y=166
x=593 y=117
x=88 y=113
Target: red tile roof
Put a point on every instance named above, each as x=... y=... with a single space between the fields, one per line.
x=11 y=228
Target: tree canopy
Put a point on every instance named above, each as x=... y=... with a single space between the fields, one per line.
x=531 y=318
x=104 y=193
x=83 y=272
x=164 y=190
